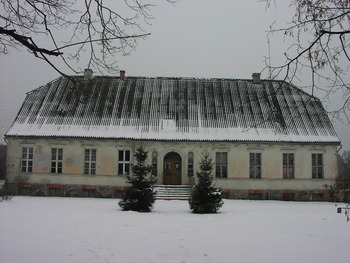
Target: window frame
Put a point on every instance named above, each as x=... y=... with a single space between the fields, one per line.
x=123 y=164
x=57 y=162
x=155 y=163
x=317 y=168
x=255 y=166
x=54 y=191
x=288 y=168
x=221 y=164
x=190 y=164
x=90 y=164
x=27 y=159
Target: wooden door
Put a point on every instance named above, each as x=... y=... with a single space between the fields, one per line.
x=172 y=169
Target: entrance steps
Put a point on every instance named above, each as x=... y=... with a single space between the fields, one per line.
x=172 y=192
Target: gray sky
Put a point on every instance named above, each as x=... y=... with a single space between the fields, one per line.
x=193 y=38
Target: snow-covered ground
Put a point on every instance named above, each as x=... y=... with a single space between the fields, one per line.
x=44 y=229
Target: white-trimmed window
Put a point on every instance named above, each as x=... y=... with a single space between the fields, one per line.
x=190 y=164
x=154 y=163
x=123 y=162
x=255 y=165
x=288 y=165
x=317 y=165
x=221 y=165
x=56 y=160
x=90 y=161
x=27 y=159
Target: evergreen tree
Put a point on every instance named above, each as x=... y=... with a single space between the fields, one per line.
x=205 y=198
x=139 y=196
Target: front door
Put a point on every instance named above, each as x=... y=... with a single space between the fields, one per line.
x=172 y=168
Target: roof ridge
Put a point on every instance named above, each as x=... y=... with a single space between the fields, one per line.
x=176 y=78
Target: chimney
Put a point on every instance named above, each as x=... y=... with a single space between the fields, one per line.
x=87 y=74
x=122 y=74
x=256 y=78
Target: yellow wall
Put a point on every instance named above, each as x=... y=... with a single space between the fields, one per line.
x=107 y=157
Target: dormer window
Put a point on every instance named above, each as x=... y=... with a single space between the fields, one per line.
x=168 y=125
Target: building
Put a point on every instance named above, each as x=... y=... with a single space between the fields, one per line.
x=76 y=136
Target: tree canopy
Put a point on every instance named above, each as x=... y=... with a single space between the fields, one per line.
x=89 y=32
x=320 y=46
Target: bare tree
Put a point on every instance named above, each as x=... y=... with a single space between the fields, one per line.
x=92 y=32
x=320 y=34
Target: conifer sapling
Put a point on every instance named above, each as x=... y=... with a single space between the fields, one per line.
x=205 y=198
x=139 y=196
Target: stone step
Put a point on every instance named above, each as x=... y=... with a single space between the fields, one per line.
x=172 y=192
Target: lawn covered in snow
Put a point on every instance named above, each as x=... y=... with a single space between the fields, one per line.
x=49 y=229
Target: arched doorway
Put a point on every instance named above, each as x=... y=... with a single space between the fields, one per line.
x=172 y=168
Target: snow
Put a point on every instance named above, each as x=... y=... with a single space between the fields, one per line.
x=154 y=133
x=50 y=229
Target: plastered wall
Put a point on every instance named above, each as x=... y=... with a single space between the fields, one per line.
x=107 y=161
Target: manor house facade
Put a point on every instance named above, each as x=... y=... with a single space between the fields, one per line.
x=76 y=136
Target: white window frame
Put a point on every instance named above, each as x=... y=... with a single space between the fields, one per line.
x=219 y=167
x=316 y=167
x=253 y=174
x=27 y=159
x=190 y=164
x=122 y=162
x=90 y=163
x=56 y=162
x=286 y=167
x=154 y=163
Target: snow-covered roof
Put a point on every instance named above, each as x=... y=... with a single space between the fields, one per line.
x=173 y=109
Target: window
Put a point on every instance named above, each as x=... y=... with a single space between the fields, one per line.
x=317 y=165
x=288 y=196
x=25 y=190
x=255 y=196
x=90 y=161
x=89 y=192
x=255 y=165
x=221 y=165
x=288 y=165
x=154 y=163
x=27 y=159
x=53 y=191
x=124 y=163
x=190 y=164
x=317 y=197
x=168 y=125
x=56 y=160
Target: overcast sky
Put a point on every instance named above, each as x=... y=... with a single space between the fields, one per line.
x=193 y=38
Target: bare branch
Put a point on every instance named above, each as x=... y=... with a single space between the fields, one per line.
x=99 y=40
x=335 y=32
x=25 y=41
x=95 y=32
x=320 y=34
